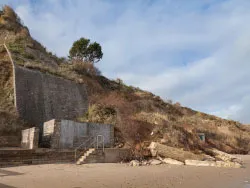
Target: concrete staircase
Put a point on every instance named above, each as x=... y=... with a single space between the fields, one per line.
x=92 y=155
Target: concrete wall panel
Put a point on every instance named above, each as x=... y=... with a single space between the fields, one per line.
x=41 y=97
x=30 y=138
x=70 y=134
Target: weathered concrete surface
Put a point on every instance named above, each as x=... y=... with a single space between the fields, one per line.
x=172 y=161
x=30 y=138
x=110 y=155
x=155 y=162
x=226 y=164
x=200 y=163
x=41 y=97
x=70 y=134
x=224 y=156
x=18 y=156
x=106 y=130
x=49 y=132
x=114 y=155
x=134 y=163
x=10 y=141
x=173 y=153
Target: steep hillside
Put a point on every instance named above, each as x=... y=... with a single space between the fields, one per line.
x=138 y=116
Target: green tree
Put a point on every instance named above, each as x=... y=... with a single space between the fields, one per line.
x=83 y=50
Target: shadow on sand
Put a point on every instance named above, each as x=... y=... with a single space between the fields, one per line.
x=4 y=173
x=6 y=186
x=8 y=173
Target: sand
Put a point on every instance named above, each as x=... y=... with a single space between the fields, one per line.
x=121 y=176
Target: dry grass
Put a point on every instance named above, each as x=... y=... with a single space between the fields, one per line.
x=6 y=85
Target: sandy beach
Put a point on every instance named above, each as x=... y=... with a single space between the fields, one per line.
x=122 y=175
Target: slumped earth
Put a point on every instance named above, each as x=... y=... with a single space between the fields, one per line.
x=122 y=175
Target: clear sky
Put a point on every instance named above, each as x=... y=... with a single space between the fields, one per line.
x=196 y=52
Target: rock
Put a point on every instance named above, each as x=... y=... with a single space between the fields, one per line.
x=155 y=162
x=134 y=163
x=120 y=145
x=225 y=156
x=171 y=152
x=172 y=161
x=145 y=163
x=228 y=164
x=208 y=158
x=163 y=141
x=200 y=163
x=152 y=149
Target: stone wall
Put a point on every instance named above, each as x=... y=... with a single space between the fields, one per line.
x=10 y=141
x=115 y=155
x=70 y=134
x=30 y=138
x=41 y=97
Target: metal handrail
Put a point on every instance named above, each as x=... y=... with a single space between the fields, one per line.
x=93 y=142
x=102 y=142
x=80 y=146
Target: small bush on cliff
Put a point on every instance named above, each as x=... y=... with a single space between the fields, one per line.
x=85 y=69
x=100 y=114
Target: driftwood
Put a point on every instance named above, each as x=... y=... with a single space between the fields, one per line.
x=158 y=149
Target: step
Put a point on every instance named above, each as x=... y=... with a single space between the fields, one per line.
x=92 y=156
x=85 y=156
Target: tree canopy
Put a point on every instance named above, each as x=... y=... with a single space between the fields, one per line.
x=83 y=50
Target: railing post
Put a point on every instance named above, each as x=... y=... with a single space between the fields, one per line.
x=97 y=141
x=75 y=155
x=102 y=142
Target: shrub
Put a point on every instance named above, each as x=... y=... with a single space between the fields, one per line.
x=100 y=114
x=85 y=69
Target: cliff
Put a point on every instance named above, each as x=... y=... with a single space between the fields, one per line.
x=139 y=116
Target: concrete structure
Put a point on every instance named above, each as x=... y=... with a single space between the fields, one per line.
x=30 y=138
x=202 y=137
x=11 y=157
x=10 y=141
x=40 y=97
x=70 y=134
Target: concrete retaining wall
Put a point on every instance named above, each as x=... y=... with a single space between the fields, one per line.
x=48 y=156
x=117 y=155
x=70 y=134
x=10 y=141
x=41 y=97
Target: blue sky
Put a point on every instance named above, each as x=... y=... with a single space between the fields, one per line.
x=196 y=52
